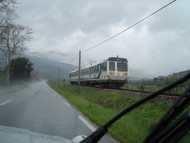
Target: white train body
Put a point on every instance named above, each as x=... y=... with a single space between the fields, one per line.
x=112 y=72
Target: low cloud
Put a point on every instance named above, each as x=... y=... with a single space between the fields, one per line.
x=158 y=46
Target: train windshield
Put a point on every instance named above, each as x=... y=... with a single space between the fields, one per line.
x=122 y=66
x=104 y=66
x=111 y=66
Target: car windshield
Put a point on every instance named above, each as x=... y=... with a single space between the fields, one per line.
x=69 y=67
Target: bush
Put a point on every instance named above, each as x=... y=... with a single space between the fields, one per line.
x=20 y=68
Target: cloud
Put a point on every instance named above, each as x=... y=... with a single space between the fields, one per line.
x=160 y=45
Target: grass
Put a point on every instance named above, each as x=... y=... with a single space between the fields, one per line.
x=100 y=105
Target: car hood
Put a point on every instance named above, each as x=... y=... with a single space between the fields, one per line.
x=17 y=135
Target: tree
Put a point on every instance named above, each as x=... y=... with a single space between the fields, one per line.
x=13 y=37
x=7 y=10
x=17 y=36
x=20 y=68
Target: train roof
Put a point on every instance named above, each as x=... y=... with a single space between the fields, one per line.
x=117 y=59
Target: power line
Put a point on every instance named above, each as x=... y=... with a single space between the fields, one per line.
x=131 y=26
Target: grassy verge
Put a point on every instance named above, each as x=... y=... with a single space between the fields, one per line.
x=99 y=106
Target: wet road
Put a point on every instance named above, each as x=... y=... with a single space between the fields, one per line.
x=35 y=106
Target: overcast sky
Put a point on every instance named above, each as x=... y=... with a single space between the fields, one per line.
x=158 y=46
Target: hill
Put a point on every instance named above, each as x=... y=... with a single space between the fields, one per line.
x=156 y=83
x=50 y=69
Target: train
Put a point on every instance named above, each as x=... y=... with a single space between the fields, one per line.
x=111 y=73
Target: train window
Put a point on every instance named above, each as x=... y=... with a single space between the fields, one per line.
x=85 y=71
x=97 y=67
x=91 y=69
x=104 y=66
x=82 y=72
x=122 y=66
x=111 y=66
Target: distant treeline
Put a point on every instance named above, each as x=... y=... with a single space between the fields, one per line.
x=159 y=82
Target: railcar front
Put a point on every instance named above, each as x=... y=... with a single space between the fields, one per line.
x=115 y=72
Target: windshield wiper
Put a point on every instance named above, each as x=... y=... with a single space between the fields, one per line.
x=165 y=125
x=176 y=131
x=101 y=131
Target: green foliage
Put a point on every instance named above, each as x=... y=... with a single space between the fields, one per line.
x=20 y=68
x=100 y=105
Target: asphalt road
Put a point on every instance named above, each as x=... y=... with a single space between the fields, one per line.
x=36 y=107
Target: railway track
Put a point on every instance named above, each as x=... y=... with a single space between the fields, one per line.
x=148 y=92
x=167 y=96
x=172 y=96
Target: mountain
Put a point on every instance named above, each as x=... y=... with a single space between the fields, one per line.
x=50 y=69
x=137 y=74
x=178 y=75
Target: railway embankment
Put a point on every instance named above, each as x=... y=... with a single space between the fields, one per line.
x=100 y=105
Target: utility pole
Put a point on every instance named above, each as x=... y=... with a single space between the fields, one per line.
x=79 y=70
